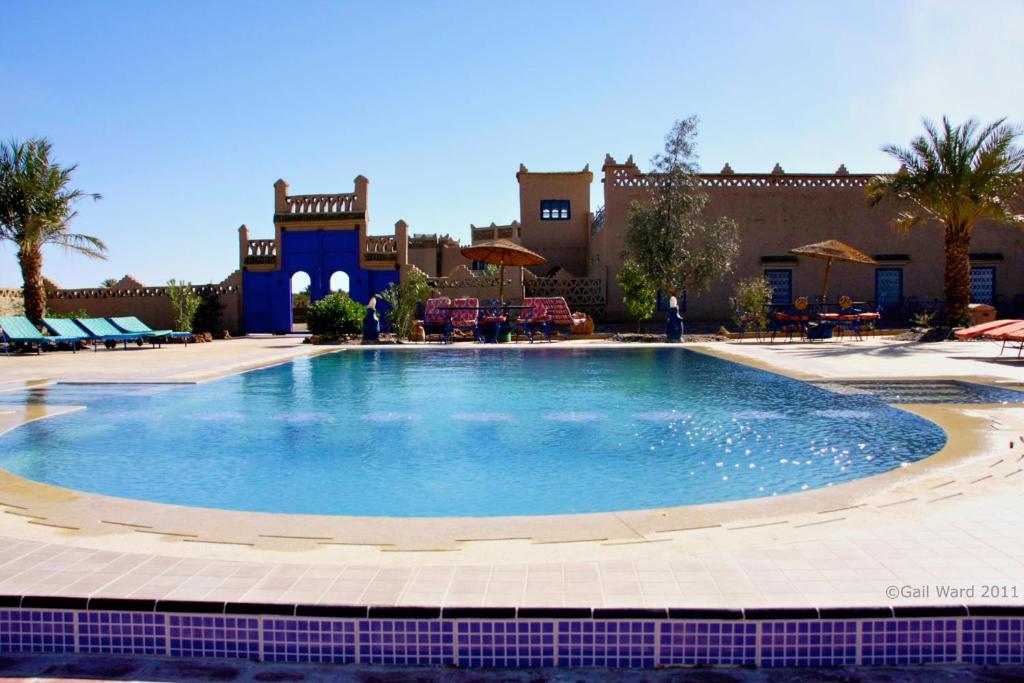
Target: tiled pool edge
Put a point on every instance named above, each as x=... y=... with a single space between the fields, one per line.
x=514 y=637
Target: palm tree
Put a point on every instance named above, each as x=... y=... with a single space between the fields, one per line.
x=36 y=209
x=956 y=176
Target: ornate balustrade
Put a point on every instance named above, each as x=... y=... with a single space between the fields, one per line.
x=581 y=293
x=306 y=204
x=381 y=248
x=261 y=251
x=622 y=178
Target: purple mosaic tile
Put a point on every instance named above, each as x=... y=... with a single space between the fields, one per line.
x=122 y=633
x=205 y=635
x=730 y=643
x=808 y=643
x=614 y=644
x=997 y=640
x=37 y=630
x=902 y=642
x=505 y=643
x=326 y=641
x=406 y=641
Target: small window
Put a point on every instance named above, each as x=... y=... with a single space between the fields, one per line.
x=781 y=282
x=554 y=209
x=983 y=284
x=888 y=286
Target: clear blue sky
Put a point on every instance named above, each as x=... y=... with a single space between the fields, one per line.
x=183 y=114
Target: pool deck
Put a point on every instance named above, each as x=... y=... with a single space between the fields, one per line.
x=950 y=520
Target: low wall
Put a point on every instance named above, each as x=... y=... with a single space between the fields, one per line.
x=462 y=282
x=586 y=294
x=150 y=304
x=11 y=302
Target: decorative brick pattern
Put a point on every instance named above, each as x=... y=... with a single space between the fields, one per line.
x=310 y=640
x=730 y=643
x=214 y=636
x=122 y=633
x=615 y=644
x=505 y=644
x=909 y=641
x=24 y=630
x=406 y=641
x=825 y=643
x=612 y=642
x=993 y=641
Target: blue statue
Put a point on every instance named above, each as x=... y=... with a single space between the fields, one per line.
x=371 y=323
x=674 y=322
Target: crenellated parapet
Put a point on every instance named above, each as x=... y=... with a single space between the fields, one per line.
x=290 y=208
x=627 y=175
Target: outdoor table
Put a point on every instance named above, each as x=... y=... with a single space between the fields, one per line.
x=505 y=308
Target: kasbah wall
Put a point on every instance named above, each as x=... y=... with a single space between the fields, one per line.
x=150 y=304
x=776 y=212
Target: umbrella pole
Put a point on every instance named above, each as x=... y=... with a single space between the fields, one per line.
x=824 y=286
x=501 y=283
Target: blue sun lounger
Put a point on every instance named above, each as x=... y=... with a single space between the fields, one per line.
x=94 y=330
x=132 y=325
x=17 y=329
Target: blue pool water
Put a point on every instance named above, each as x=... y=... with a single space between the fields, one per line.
x=466 y=432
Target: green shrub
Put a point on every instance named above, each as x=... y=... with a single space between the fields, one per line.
x=209 y=314
x=80 y=313
x=752 y=299
x=185 y=302
x=923 y=319
x=336 y=315
x=403 y=299
x=638 y=293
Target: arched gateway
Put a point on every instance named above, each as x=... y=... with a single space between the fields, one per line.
x=318 y=234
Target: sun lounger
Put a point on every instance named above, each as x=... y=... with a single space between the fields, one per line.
x=132 y=325
x=559 y=316
x=99 y=330
x=1008 y=334
x=532 y=317
x=465 y=315
x=17 y=329
x=984 y=329
x=435 y=319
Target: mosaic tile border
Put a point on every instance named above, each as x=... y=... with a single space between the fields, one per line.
x=514 y=637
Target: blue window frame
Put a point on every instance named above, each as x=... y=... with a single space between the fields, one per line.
x=554 y=209
x=983 y=284
x=888 y=286
x=781 y=282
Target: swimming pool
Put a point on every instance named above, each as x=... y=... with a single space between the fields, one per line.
x=466 y=432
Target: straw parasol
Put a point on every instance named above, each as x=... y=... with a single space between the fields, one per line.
x=829 y=251
x=502 y=253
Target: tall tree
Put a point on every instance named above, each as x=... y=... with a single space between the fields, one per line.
x=956 y=176
x=667 y=235
x=36 y=208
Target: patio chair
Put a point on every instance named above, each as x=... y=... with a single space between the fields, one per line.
x=790 y=320
x=132 y=325
x=850 y=319
x=99 y=330
x=435 y=320
x=466 y=314
x=17 y=329
x=530 y=318
x=559 y=317
x=491 y=321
